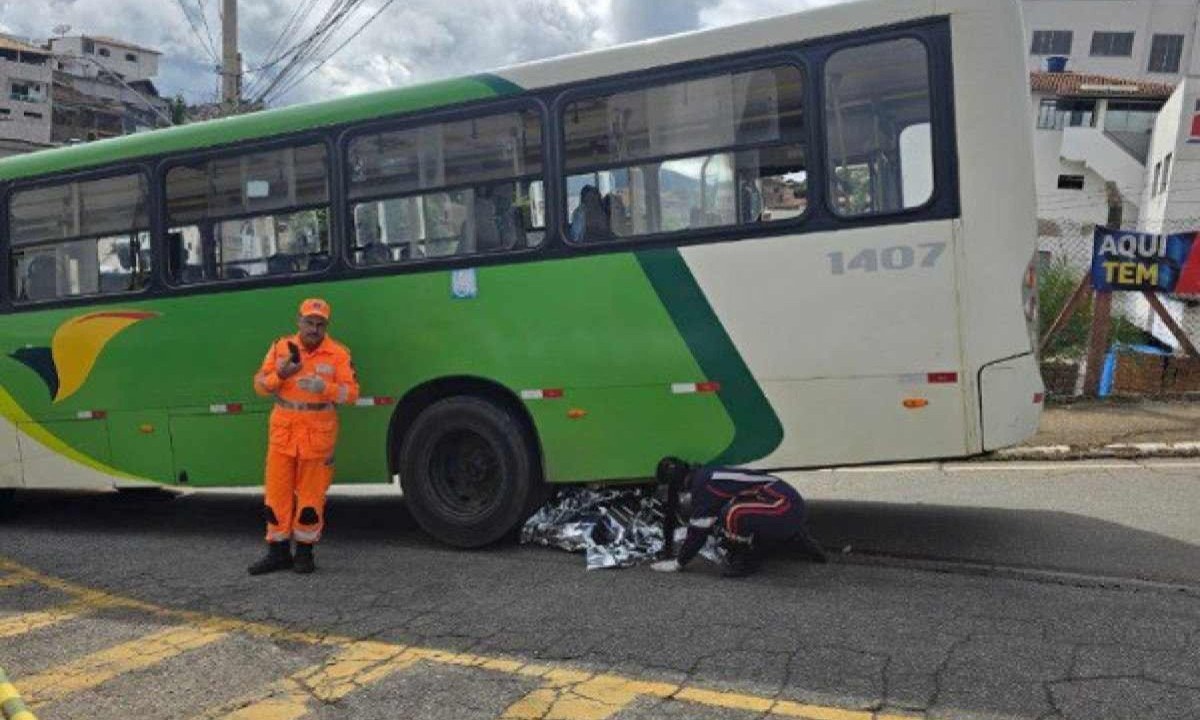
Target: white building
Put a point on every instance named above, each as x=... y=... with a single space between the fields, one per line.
x=26 y=77
x=91 y=55
x=1116 y=101
x=1137 y=39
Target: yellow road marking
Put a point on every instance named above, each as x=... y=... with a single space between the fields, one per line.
x=353 y=667
x=28 y=622
x=566 y=694
x=100 y=667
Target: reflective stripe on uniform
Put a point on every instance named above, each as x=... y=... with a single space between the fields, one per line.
x=303 y=406
x=703 y=523
x=343 y=393
x=306 y=536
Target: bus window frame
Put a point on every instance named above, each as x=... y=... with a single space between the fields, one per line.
x=315 y=136
x=657 y=77
x=141 y=166
x=939 y=66
x=532 y=100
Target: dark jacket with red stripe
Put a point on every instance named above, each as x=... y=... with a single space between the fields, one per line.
x=716 y=492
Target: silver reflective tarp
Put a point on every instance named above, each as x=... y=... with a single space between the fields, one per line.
x=613 y=527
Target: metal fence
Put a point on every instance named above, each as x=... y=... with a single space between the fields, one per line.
x=1143 y=357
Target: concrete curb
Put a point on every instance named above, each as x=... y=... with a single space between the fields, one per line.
x=1130 y=451
x=12 y=707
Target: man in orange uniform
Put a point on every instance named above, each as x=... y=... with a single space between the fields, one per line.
x=308 y=373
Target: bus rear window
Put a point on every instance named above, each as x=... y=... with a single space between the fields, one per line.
x=878 y=140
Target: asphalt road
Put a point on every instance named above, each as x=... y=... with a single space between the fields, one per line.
x=1071 y=592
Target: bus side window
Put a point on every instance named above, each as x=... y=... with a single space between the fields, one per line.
x=656 y=160
x=462 y=187
x=80 y=238
x=255 y=214
x=877 y=126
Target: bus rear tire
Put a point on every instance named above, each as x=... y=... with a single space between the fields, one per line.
x=469 y=471
x=6 y=501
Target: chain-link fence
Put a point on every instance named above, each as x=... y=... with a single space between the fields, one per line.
x=1143 y=356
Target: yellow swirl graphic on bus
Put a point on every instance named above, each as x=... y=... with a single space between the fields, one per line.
x=78 y=342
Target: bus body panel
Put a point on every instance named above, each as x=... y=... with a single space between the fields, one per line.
x=1007 y=390
x=804 y=313
x=999 y=211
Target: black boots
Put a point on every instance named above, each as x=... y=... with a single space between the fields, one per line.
x=278 y=557
x=304 y=559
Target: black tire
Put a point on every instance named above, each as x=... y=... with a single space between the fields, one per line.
x=6 y=502
x=469 y=471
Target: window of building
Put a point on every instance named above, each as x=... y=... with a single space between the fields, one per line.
x=1131 y=116
x=33 y=115
x=130 y=57
x=1070 y=182
x=722 y=150
x=80 y=238
x=89 y=47
x=1157 y=176
x=878 y=120
x=1056 y=114
x=5 y=111
x=249 y=215
x=1112 y=44
x=1166 y=172
x=104 y=52
x=463 y=187
x=1166 y=51
x=1052 y=42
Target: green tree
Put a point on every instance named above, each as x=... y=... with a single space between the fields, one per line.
x=1056 y=283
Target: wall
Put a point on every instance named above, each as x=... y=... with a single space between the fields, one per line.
x=1143 y=17
x=19 y=122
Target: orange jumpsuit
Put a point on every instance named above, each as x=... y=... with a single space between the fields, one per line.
x=303 y=433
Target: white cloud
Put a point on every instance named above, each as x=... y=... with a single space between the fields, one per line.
x=412 y=41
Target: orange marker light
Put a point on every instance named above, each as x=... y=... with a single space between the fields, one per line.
x=146 y=429
x=576 y=413
x=915 y=403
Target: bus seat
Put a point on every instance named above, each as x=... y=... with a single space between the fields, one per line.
x=588 y=222
x=280 y=264
x=116 y=282
x=40 y=282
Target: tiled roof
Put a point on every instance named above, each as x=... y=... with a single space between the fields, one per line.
x=1078 y=84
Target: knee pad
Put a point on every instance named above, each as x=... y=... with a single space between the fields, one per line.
x=309 y=516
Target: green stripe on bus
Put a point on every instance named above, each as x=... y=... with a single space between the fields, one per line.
x=252 y=126
x=758 y=431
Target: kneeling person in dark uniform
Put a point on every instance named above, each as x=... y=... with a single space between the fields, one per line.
x=747 y=511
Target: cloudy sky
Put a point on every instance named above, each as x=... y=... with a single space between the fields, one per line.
x=400 y=42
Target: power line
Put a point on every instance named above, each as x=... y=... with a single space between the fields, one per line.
x=338 y=49
x=195 y=31
x=208 y=30
x=313 y=44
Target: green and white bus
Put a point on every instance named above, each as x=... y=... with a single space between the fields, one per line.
x=792 y=243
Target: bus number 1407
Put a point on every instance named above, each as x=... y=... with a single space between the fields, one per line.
x=900 y=257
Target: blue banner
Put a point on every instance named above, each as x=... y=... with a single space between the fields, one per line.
x=1123 y=260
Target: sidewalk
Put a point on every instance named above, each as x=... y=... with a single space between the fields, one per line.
x=1114 y=428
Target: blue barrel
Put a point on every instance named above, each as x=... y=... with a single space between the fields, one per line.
x=1056 y=63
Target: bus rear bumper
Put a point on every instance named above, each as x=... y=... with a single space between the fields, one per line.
x=1011 y=396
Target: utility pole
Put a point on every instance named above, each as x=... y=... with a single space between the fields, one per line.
x=231 y=59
